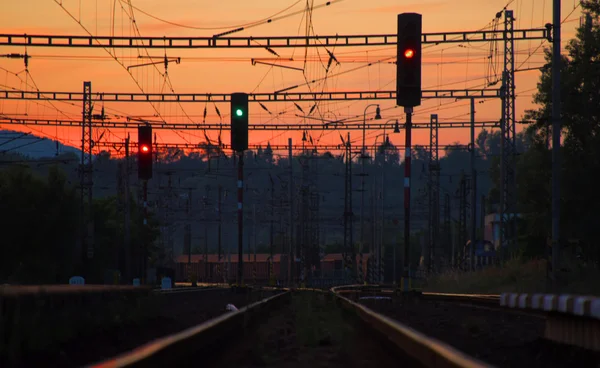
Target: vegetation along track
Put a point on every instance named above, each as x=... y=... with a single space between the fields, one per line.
x=478 y=326
x=309 y=332
x=174 y=311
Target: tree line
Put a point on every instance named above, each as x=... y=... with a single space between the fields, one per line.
x=580 y=150
x=40 y=223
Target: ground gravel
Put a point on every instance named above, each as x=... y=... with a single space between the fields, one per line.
x=315 y=333
x=503 y=339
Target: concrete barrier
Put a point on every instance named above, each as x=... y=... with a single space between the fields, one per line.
x=570 y=319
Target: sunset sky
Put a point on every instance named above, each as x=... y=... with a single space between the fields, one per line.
x=445 y=66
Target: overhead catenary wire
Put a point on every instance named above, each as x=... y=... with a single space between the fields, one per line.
x=274 y=17
x=325 y=81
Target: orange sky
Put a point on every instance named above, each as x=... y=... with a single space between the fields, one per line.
x=446 y=66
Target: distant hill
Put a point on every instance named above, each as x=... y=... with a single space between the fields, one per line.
x=32 y=146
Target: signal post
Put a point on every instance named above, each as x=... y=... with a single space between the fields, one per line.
x=239 y=143
x=145 y=158
x=408 y=95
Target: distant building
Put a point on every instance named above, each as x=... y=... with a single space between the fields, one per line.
x=491 y=231
x=214 y=271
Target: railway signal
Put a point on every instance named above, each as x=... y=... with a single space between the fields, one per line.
x=239 y=122
x=145 y=152
x=239 y=143
x=408 y=64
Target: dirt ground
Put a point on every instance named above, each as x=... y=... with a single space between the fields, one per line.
x=314 y=333
x=502 y=339
x=178 y=312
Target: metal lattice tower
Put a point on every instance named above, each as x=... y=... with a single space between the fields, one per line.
x=349 y=254
x=121 y=204
x=304 y=239
x=282 y=214
x=508 y=192
x=449 y=250
x=462 y=219
x=86 y=172
x=371 y=264
x=434 y=194
x=315 y=246
x=168 y=226
x=315 y=249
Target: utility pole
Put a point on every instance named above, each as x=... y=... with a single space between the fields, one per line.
x=240 y=218
x=206 y=197
x=349 y=250
x=315 y=230
x=508 y=192
x=120 y=208
x=407 y=177
x=314 y=254
x=127 y=232
x=462 y=218
x=303 y=212
x=448 y=228
x=254 y=241
x=382 y=252
x=473 y=191
x=271 y=245
x=291 y=222
x=188 y=233
x=373 y=249
x=556 y=130
x=170 y=230
x=145 y=233
x=434 y=193
x=219 y=226
x=86 y=176
x=482 y=219
x=363 y=157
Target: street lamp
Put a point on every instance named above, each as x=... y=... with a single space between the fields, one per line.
x=379 y=248
x=377 y=117
x=362 y=191
x=396 y=128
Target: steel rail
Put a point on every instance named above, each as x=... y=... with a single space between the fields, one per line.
x=426 y=350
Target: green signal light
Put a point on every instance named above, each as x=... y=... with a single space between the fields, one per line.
x=239 y=112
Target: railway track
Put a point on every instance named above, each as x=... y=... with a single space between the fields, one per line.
x=508 y=330
x=490 y=302
x=69 y=326
x=233 y=339
x=352 y=326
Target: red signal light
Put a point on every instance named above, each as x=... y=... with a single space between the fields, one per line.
x=409 y=53
x=145 y=149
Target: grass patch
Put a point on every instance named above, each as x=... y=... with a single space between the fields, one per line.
x=517 y=276
x=40 y=324
x=311 y=324
x=319 y=321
